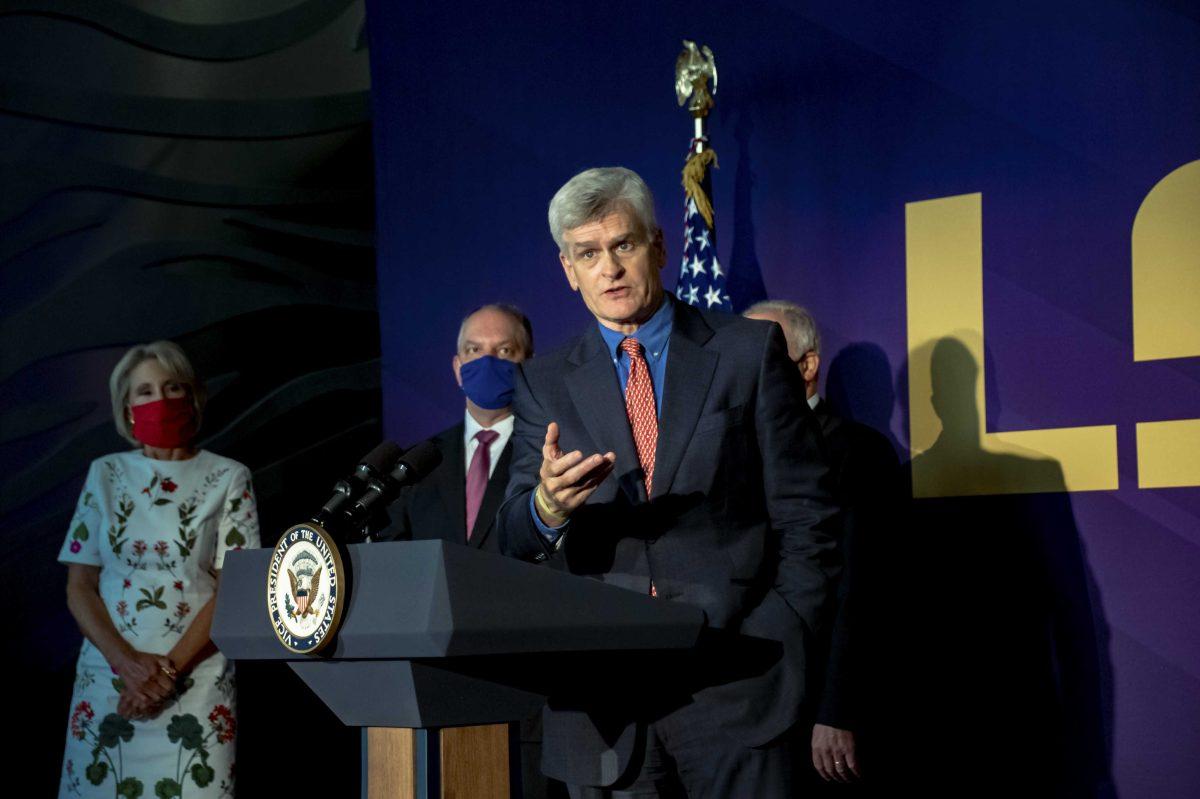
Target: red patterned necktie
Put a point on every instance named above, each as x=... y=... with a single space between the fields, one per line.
x=639 y=406
x=642 y=413
x=477 y=475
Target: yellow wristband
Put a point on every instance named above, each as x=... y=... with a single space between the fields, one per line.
x=540 y=500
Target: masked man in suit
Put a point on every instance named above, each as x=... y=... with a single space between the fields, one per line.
x=458 y=500
x=662 y=451
x=865 y=481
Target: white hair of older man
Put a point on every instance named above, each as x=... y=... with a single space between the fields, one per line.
x=799 y=327
x=595 y=193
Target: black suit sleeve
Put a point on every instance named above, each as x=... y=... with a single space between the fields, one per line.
x=868 y=482
x=519 y=536
x=795 y=484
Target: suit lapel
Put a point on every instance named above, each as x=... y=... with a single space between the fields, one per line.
x=603 y=410
x=452 y=485
x=690 y=371
x=492 y=498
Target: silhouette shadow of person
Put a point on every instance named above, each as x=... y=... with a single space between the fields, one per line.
x=858 y=385
x=991 y=647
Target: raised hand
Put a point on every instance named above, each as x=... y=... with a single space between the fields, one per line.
x=567 y=479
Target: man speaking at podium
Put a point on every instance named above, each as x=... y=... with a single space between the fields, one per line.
x=662 y=451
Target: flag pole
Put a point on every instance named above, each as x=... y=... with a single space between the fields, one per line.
x=701 y=278
x=694 y=67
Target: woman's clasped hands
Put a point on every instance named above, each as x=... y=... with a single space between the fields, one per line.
x=147 y=683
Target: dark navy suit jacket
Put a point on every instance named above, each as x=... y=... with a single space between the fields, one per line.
x=436 y=506
x=867 y=488
x=737 y=525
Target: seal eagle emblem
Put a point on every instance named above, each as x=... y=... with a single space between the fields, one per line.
x=306 y=609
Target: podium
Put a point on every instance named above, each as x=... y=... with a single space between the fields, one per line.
x=443 y=637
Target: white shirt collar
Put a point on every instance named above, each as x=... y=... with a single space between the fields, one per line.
x=814 y=401
x=470 y=427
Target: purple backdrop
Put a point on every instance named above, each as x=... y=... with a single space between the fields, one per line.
x=829 y=119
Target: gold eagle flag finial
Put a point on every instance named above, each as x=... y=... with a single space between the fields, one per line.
x=693 y=68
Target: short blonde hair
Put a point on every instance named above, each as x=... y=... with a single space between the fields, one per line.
x=173 y=359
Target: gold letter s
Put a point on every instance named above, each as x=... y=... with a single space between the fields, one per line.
x=1166 y=316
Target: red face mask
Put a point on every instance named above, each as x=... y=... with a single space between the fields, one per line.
x=166 y=423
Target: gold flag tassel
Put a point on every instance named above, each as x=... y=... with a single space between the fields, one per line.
x=694 y=172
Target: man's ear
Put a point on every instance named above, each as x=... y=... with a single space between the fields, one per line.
x=456 y=363
x=660 y=249
x=569 y=271
x=810 y=364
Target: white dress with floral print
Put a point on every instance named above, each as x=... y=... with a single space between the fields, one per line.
x=157 y=530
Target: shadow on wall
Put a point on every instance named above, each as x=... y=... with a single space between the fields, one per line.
x=995 y=677
x=745 y=284
x=858 y=385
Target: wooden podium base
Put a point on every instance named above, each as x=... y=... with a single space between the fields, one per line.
x=451 y=763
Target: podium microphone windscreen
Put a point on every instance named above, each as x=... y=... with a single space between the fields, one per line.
x=380 y=460
x=416 y=463
x=373 y=468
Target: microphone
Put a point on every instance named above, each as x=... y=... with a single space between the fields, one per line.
x=375 y=464
x=384 y=488
x=416 y=463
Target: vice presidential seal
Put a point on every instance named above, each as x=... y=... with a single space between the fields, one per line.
x=305 y=589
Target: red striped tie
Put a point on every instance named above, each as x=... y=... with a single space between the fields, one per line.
x=640 y=408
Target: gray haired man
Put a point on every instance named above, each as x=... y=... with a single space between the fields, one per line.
x=864 y=470
x=661 y=451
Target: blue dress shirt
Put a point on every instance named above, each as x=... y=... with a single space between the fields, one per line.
x=655 y=338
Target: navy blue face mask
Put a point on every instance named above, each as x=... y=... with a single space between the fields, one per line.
x=488 y=382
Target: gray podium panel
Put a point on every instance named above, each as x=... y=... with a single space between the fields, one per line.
x=431 y=599
x=438 y=635
x=404 y=693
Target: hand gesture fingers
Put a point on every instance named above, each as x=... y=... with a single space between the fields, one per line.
x=550 y=450
x=568 y=479
x=589 y=470
x=553 y=469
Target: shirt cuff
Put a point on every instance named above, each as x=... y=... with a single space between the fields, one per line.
x=551 y=534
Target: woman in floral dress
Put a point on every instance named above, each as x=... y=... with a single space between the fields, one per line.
x=153 y=709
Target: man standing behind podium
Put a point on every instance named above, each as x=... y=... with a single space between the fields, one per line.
x=865 y=482
x=662 y=451
x=458 y=500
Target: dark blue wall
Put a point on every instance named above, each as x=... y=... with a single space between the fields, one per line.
x=831 y=117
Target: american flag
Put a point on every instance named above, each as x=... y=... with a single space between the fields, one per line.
x=701 y=276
